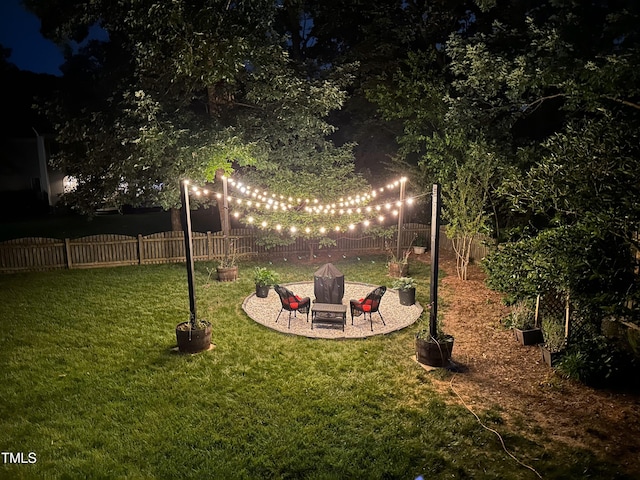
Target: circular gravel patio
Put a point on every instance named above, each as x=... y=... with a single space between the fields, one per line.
x=265 y=311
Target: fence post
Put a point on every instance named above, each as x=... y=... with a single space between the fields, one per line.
x=67 y=251
x=209 y=245
x=140 y=249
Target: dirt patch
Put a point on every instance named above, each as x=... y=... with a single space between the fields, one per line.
x=501 y=374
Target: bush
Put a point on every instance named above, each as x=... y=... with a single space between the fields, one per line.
x=510 y=271
x=599 y=362
x=263 y=277
x=553 y=333
x=404 y=283
x=523 y=315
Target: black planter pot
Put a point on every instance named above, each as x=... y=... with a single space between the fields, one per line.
x=434 y=353
x=262 y=291
x=549 y=357
x=193 y=341
x=407 y=297
x=532 y=336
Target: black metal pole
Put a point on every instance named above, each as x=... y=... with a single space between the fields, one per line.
x=188 y=247
x=400 y=219
x=435 y=247
x=226 y=227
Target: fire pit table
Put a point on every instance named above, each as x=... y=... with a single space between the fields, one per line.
x=329 y=313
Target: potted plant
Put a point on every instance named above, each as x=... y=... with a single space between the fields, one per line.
x=433 y=350
x=264 y=279
x=554 y=340
x=399 y=266
x=420 y=245
x=227 y=267
x=523 y=321
x=406 y=287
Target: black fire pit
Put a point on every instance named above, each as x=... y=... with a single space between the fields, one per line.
x=328 y=284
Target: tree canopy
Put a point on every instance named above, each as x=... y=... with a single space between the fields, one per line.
x=183 y=90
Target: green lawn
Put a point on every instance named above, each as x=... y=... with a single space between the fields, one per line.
x=91 y=385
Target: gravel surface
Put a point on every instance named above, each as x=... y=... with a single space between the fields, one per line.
x=396 y=316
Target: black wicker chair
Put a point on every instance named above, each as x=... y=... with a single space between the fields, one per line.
x=369 y=304
x=292 y=303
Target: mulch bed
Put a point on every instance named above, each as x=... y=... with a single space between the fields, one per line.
x=501 y=374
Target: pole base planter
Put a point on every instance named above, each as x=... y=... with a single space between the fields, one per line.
x=193 y=341
x=433 y=352
x=531 y=336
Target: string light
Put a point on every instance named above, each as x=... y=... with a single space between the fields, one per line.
x=350 y=201
x=272 y=202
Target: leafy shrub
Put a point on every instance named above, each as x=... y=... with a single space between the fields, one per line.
x=599 y=362
x=262 y=276
x=523 y=315
x=553 y=333
x=510 y=271
x=404 y=283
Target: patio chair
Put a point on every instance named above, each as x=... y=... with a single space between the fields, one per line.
x=292 y=303
x=369 y=304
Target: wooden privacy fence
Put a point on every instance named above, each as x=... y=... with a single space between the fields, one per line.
x=35 y=254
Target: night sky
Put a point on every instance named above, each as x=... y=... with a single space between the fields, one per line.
x=20 y=31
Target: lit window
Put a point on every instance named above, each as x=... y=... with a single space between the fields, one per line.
x=69 y=184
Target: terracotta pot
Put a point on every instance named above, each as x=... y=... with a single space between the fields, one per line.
x=434 y=353
x=193 y=341
x=227 y=274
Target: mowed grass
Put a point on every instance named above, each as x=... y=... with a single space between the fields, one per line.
x=91 y=385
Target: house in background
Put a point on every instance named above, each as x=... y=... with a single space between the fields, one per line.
x=28 y=185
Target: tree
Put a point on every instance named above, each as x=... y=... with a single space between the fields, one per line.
x=577 y=171
x=586 y=183
x=556 y=85
x=179 y=91
x=461 y=160
x=466 y=198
